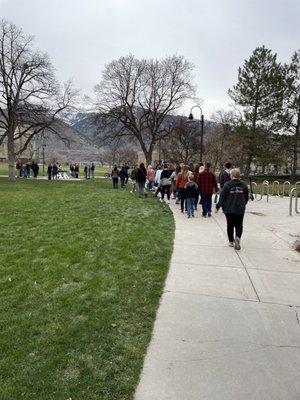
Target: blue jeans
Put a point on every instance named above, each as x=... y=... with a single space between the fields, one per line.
x=150 y=185
x=206 y=202
x=190 y=202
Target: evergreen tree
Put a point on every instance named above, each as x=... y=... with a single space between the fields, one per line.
x=259 y=94
x=292 y=106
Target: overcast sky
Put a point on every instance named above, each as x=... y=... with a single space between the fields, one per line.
x=216 y=35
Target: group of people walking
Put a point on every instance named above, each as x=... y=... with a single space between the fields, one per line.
x=192 y=186
x=121 y=173
x=28 y=169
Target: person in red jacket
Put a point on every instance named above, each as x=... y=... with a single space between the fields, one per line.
x=207 y=183
x=182 y=180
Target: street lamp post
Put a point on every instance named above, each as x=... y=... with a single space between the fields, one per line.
x=44 y=145
x=191 y=117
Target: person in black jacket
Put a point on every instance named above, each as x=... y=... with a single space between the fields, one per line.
x=191 y=193
x=225 y=174
x=49 y=171
x=123 y=174
x=233 y=199
x=35 y=169
x=165 y=182
x=141 y=177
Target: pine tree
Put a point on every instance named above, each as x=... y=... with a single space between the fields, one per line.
x=259 y=94
x=292 y=106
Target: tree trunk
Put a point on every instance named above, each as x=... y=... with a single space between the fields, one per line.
x=248 y=166
x=296 y=148
x=11 y=156
x=148 y=156
x=147 y=153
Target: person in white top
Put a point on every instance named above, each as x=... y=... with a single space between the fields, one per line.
x=157 y=179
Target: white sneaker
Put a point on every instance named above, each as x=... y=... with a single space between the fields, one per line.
x=230 y=244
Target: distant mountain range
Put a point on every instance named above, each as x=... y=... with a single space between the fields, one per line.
x=81 y=135
x=70 y=145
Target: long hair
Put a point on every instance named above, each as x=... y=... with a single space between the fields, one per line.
x=185 y=172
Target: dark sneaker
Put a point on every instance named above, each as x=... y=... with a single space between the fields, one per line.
x=237 y=244
x=193 y=215
x=209 y=215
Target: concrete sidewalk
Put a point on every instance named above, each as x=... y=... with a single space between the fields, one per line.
x=228 y=324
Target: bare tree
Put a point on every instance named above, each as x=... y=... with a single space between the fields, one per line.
x=136 y=96
x=30 y=97
x=182 y=145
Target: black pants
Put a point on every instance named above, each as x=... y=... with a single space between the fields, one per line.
x=122 y=181
x=181 y=196
x=166 y=189
x=234 y=221
x=158 y=190
x=115 y=183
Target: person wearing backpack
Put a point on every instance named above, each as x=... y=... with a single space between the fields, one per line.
x=233 y=199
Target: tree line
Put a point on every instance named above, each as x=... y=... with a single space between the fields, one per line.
x=137 y=101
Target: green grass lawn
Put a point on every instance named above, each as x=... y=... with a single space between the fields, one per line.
x=81 y=273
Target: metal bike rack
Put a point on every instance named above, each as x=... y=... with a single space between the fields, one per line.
x=264 y=185
x=293 y=193
x=286 y=183
x=296 y=184
x=277 y=185
x=254 y=194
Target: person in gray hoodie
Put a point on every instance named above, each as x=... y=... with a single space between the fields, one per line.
x=233 y=199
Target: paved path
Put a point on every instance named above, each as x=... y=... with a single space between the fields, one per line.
x=228 y=326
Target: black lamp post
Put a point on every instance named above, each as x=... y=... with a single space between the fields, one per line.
x=44 y=145
x=191 y=118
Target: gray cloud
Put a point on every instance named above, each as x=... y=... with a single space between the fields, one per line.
x=82 y=35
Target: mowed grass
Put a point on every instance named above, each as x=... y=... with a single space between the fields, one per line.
x=82 y=269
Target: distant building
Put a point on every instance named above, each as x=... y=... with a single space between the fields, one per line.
x=26 y=155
